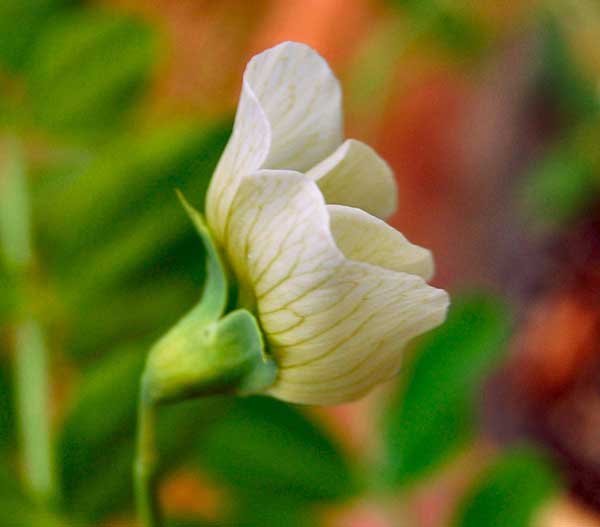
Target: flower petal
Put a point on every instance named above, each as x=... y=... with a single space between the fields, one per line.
x=246 y=150
x=336 y=327
x=289 y=117
x=364 y=238
x=356 y=176
x=302 y=101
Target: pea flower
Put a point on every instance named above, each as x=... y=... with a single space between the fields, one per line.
x=296 y=212
x=309 y=295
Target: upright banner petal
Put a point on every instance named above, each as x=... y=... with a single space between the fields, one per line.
x=289 y=117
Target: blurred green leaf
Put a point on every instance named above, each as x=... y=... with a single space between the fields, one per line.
x=8 y=294
x=96 y=444
x=103 y=414
x=266 y=510
x=125 y=257
x=509 y=492
x=575 y=93
x=433 y=414
x=15 y=242
x=9 y=482
x=21 y=22
x=560 y=185
x=115 y=379
x=22 y=513
x=266 y=447
x=454 y=25
x=135 y=312
x=7 y=424
x=88 y=69
x=459 y=31
x=370 y=78
x=194 y=523
x=122 y=209
x=117 y=184
x=15 y=508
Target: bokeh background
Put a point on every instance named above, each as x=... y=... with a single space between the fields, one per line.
x=489 y=113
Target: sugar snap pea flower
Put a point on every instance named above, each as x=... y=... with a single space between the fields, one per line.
x=295 y=208
x=310 y=296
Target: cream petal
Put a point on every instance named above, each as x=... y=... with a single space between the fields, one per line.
x=356 y=176
x=289 y=117
x=364 y=238
x=246 y=150
x=336 y=327
x=302 y=101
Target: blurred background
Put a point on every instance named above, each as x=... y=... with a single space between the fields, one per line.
x=489 y=113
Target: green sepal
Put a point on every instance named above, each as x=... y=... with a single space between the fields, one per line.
x=209 y=351
x=199 y=358
x=214 y=297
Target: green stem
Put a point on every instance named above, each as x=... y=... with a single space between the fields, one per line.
x=145 y=470
x=32 y=395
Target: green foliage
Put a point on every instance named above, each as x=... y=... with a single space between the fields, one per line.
x=268 y=511
x=6 y=408
x=15 y=243
x=459 y=31
x=130 y=313
x=265 y=447
x=454 y=26
x=88 y=69
x=96 y=443
x=193 y=523
x=128 y=188
x=560 y=185
x=92 y=435
x=575 y=93
x=509 y=492
x=21 y=22
x=8 y=293
x=17 y=510
x=433 y=414
x=121 y=213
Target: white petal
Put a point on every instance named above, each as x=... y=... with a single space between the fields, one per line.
x=289 y=117
x=336 y=327
x=364 y=238
x=246 y=150
x=356 y=176
x=302 y=101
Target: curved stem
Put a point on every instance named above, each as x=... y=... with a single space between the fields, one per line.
x=145 y=471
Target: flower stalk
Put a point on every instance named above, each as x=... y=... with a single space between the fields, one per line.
x=146 y=463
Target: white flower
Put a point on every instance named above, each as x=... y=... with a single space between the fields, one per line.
x=337 y=292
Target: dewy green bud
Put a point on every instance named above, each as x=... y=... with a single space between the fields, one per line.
x=206 y=352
